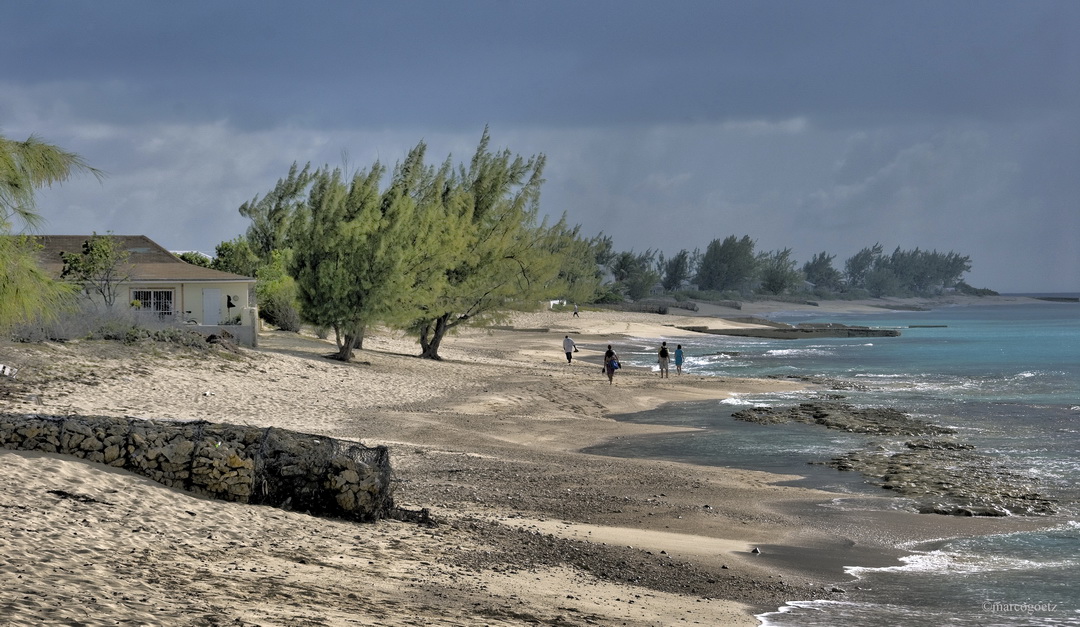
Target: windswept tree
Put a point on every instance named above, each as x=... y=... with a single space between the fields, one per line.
x=634 y=273
x=579 y=277
x=26 y=291
x=350 y=244
x=777 y=273
x=858 y=266
x=101 y=267
x=237 y=257
x=502 y=261
x=820 y=271
x=272 y=214
x=727 y=265
x=603 y=248
x=676 y=270
x=905 y=272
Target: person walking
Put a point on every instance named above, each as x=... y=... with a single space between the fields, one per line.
x=662 y=359
x=611 y=364
x=678 y=359
x=569 y=347
x=575 y=311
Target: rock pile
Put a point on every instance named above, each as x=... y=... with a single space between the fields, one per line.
x=270 y=466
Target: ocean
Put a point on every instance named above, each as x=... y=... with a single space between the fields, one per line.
x=1006 y=377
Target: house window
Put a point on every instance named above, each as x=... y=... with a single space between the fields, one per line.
x=158 y=301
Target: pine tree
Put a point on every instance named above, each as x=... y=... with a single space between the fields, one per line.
x=26 y=291
x=502 y=260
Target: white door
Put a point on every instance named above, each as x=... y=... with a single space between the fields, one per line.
x=211 y=306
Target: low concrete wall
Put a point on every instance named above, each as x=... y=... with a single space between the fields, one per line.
x=267 y=466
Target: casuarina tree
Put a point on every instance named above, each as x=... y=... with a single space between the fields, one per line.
x=501 y=260
x=26 y=291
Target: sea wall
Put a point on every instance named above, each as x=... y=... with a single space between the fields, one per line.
x=266 y=466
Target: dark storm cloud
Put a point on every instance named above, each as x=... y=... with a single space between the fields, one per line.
x=826 y=125
x=566 y=63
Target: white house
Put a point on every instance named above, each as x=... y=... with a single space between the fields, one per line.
x=174 y=289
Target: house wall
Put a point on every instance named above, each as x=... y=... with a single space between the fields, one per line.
x=188 y=299
x=188 y=304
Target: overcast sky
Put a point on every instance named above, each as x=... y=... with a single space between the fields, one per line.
x=816 y=126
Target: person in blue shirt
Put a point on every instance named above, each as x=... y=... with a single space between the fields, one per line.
x=678 y=359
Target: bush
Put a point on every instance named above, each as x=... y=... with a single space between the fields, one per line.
x=608 y=297
x=964 y=288
x=121 y=324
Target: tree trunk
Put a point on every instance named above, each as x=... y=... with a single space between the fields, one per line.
x=353 y=339
x=430 y=346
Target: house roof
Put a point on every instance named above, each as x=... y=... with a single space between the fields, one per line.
x=149 y=261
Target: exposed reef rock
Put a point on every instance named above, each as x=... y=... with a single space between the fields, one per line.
x=944 y=477
x=844 y=417
x=781 y=331
x=940 y=476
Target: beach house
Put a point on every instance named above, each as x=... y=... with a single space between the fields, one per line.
x=156 y=280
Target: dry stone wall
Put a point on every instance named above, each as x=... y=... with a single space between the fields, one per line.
x=267 y=466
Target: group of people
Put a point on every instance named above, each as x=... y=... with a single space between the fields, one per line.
x=663 y=356
x=611 y=358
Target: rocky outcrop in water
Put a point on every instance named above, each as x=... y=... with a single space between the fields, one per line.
x=945 y=477
x=844 y=417
x=940 y=476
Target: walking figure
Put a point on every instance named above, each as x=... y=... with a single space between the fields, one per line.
x=569 y=347
x=611 y=364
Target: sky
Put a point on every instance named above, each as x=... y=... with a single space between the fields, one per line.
x=824 y=126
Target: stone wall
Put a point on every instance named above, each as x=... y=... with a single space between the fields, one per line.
x=267 y=466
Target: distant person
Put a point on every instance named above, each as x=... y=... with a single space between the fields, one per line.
x=678 y=359
x=569 y=347
x=611 y=363
x=662 y=359
x=575 y=311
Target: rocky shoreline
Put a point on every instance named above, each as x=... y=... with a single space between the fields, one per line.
x=941 y=476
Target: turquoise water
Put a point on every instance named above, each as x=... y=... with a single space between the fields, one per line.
x=1007 y=377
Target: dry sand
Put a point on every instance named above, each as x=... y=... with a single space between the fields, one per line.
x=530 y=531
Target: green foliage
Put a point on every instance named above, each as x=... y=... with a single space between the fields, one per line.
x=905 y=273
x=608 y=295
x=676 y=270
x=603 y=249
x=502 y=261
x=236 y=256
x=633 y=273
x=964 y=288
x=26 y=167
x=101 y=266
x=578 y=278
x=820 y=271
x=727 y=265
x=272 y=214
x=196 y=258
x=276 y=293
x=352 y=248
x=26 y=291
x=777 y=273
x=859 y=265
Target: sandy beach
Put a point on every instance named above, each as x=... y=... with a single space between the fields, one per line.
x=529 y=530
